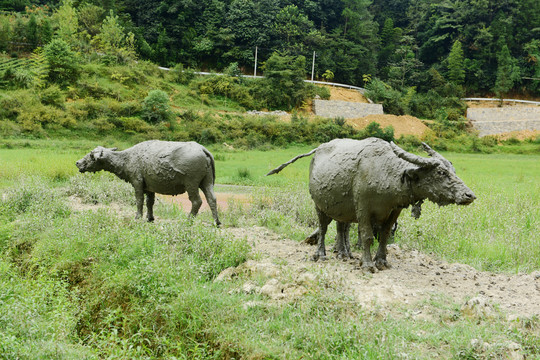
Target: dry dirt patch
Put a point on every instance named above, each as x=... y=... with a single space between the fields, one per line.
x=403 y=125
x=338 y=93
x=414 y=277
x=520 y=135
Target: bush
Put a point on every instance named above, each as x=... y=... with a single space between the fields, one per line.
x=283 y=86
x=227 y=86
x=374 y=130
x=156 y=107
x=52 y=96
x=63 y=64
x=180 y=75
x=384 y=94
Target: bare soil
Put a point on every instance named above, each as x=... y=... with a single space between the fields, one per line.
x=403 y=125
x=338 y=93
x=414 y=277
x=520 y=135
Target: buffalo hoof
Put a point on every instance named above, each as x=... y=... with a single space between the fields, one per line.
x=382 y=264
x=317 y=257
x=150 y=219
x=345 y=256
x=369 y=266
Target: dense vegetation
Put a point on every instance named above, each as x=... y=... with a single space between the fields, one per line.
x=478 y=46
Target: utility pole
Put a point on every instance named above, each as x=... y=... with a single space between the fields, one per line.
x=255 y=72
x=313 y=66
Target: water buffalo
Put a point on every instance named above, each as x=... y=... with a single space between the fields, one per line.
x=370 y=182
x=163 y=167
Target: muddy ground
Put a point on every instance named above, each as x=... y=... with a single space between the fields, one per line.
x=414 y=277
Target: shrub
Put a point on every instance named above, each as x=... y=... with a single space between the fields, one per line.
x=283 y=86
x=63 y=64
x=374 y=130
x=156 y=107
x=226 y=86
x=384 y=94
x=52 y=96
x=180 y=75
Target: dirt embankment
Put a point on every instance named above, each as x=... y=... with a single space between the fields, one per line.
x=403 y=125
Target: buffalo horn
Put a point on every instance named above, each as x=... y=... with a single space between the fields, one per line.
x=415 y=159
x=436 y=155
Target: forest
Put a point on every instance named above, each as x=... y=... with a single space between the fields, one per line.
x=473 y=47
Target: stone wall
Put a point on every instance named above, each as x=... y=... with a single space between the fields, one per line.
x=492 y=121
x=344 y=109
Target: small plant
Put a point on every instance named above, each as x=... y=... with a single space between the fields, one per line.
x=243 y=174
x=156 y=107
x=328 y=75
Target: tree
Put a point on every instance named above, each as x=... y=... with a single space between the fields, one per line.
x=63 y=64
x=456 y=65
x=403 y=71
x=508 y=72
x=66 y=21
x=284 y=84
x=32 y=36
x=114 y=42
x=358 y=21
x=291 y=24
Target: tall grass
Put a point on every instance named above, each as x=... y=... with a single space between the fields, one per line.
x=117 y=285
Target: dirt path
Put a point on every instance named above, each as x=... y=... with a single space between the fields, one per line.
x=413 y=277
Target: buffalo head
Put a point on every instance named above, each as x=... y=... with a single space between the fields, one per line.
x=434 y=178
x=94 y=160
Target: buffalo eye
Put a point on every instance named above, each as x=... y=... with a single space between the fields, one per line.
x=442 y=172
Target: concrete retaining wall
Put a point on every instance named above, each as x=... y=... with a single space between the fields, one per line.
x=345 y=109
x=492 y=121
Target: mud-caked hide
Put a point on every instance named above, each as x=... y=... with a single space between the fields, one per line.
x=369 y=182
x=162 y=167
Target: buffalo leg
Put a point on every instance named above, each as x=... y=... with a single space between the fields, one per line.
x=208 y=190
x=365 y=237
x=150 y=199
x=139 y=199
x=196 y=201
x=384 y=233
x=343 y=246
x=324 y=220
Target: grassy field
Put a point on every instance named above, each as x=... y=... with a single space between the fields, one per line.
x=92 y=283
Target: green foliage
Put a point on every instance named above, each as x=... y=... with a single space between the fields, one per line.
x=456 y=66
x=384 y=94
x=156 y=108
x=508 y=71
x=117 y=46
x=53 y=95
x=374 y=130
x=181 y=75
x=227 y=86
x=283 y=86
x=63 y=64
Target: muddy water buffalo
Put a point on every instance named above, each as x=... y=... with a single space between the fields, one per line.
x=370 y=182
x=162 y=167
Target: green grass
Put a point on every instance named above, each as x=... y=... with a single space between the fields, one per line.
x=93 y=283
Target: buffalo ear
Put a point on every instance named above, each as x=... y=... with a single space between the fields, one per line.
x=410 y=175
